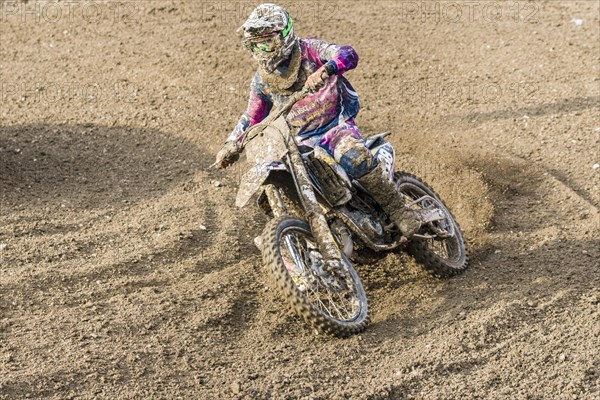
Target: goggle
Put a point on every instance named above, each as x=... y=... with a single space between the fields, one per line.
x=269 y=42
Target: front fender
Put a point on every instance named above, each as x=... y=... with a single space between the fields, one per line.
x=255 y=178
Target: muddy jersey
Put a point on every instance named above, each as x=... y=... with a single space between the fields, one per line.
x=318 y=112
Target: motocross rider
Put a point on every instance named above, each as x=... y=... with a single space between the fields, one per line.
x=325 y=117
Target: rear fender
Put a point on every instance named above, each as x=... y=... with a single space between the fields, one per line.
x=385 y=155
x=384 y=152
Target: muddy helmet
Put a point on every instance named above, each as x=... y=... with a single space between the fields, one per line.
x=269 y=35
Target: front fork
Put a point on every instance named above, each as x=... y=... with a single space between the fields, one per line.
x=275 y=201
x=318 y=223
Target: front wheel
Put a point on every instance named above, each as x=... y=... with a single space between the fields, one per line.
x=442 y=248
x=334 y=303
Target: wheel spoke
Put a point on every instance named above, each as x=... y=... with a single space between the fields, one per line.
x=439 y=246
x=348 y=302
x=448 y=248
x=333 y=305
x=303 y=252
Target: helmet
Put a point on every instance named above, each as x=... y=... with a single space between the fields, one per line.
x=269 y=35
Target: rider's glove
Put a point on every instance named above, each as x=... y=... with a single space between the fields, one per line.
x=229 y=154
x=317 y=79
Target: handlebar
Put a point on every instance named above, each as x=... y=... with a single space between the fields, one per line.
x=294 y=98
x=256 y=129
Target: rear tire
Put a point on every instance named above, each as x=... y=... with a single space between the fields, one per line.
x=304 y=291
x=443 y=257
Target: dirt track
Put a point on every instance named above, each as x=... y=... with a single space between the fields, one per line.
x=123 y=276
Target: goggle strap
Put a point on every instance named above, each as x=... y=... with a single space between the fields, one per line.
x=288 y=28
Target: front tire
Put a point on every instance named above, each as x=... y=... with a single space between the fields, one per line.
x=442 y=256
x=291 y=253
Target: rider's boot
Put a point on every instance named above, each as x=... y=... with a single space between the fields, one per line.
x=385 y=193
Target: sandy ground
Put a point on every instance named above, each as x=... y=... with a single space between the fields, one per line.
x=124 y=276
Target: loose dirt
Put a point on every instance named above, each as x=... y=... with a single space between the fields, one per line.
x=127 y=272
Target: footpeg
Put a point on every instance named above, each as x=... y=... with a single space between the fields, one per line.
x=431 y=215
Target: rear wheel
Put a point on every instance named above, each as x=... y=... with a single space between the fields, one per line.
x=440 y=247
x=334 y=303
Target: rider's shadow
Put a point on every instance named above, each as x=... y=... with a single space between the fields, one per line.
x=88 y=190
x=90 y=166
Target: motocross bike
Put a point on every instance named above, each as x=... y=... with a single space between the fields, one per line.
x=322 y=219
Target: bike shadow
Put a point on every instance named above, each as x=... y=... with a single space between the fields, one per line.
x=89 y=202
x=91 y=166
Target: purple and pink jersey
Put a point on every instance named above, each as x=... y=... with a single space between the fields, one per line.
x=317 y=113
